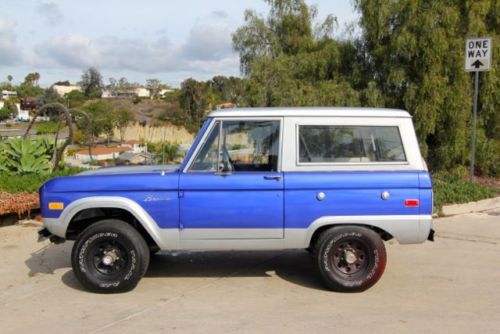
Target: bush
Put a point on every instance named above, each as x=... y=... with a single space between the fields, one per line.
x=46 y=128
x=454 y=188
x=136 y=100
x=13 y=183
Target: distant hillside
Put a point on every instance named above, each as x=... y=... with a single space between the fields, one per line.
x=147 y=112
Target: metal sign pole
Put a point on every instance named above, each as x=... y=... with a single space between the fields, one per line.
x=474 y=121
x=477 y=59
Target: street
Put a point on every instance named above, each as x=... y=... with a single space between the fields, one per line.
x=449 y=286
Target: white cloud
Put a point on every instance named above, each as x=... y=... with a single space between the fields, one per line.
x=208 y=42
x=219 y=14
x=206 y=51
x=50 y=12
x=10 y=52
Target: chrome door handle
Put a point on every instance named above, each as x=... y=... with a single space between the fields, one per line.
x=274 y=177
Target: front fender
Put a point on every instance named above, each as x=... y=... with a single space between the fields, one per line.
x=59 y=226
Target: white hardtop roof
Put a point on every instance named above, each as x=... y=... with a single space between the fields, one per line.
x=310 y=112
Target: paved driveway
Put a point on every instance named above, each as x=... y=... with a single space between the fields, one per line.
x=450 y=286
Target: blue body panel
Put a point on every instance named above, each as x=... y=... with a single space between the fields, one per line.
x=347 y=194
x=156 y=193
x=248 y=200
x=240 y=200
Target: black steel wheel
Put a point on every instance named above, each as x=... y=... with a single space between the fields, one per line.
x=350 y=258
x=110 y=256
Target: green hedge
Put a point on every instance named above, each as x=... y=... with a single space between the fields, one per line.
x=13 y=183
x=454 y=188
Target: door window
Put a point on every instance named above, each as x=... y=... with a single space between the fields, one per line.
x=244 y=146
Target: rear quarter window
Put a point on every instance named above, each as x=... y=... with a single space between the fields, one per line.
x=349 y=144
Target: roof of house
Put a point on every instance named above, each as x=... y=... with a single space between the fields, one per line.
x=132 y=155
x=128 y=155
x=104 y=150
x=132 y=141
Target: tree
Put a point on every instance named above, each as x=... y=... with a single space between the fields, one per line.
x=91 y=83
x=288 y=30
x=122 y=118
x=75 y=98
x=102 y=119
x=62 y=83
x=413 y=52
x=29 y=88
x=192 y=99
x=120 y=87
x=154 y=87
x=9 y=110
x=290 y=59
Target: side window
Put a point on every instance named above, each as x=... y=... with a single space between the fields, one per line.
x=354 y=144
x=245 y=146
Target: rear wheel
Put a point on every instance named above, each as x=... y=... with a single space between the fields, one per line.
x=110 y=256
x=350 y=258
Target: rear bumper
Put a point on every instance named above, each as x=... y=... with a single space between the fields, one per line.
x=431 y=235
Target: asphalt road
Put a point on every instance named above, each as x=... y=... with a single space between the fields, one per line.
x=449 y=286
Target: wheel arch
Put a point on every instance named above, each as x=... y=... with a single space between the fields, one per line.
x=86 y=211
x=384 y=235
x=404 y=228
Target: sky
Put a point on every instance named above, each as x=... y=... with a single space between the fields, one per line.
x=165 y=39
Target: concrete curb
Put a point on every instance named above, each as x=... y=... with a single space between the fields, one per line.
x=482 y=205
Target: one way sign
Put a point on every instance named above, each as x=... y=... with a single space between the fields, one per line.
x=478 y=54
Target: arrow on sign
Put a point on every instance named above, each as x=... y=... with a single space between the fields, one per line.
x=477 y=64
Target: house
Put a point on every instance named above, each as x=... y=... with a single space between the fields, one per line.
x=100 y=153
x=141 y=91
x=136 y=146
x=61 y=90
x=131 y=158
x=130 y=91
x=162 y=92
x=6 y=94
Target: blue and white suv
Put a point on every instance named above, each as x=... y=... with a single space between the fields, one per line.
x=335 y=181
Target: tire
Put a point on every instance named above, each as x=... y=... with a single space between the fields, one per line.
x=350 y=258
x=109 y=256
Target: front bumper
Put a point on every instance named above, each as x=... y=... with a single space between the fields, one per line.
x=44 y=234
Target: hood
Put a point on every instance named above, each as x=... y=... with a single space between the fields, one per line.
x=113 y=179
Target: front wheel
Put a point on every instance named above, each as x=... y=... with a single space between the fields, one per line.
x=110 y=256
x=350 y=258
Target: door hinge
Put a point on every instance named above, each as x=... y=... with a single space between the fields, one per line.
x=180 y=194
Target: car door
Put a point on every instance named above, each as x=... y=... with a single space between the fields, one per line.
x=233 y=188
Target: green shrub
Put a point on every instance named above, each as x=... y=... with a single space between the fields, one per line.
x=25 y=156
x=46 y=128
x=453 y=188
x=13 y=183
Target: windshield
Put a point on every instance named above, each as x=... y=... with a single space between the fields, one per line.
x=196 y=141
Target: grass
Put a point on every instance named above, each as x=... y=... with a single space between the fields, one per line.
x=13 y=183
x=454 y=188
